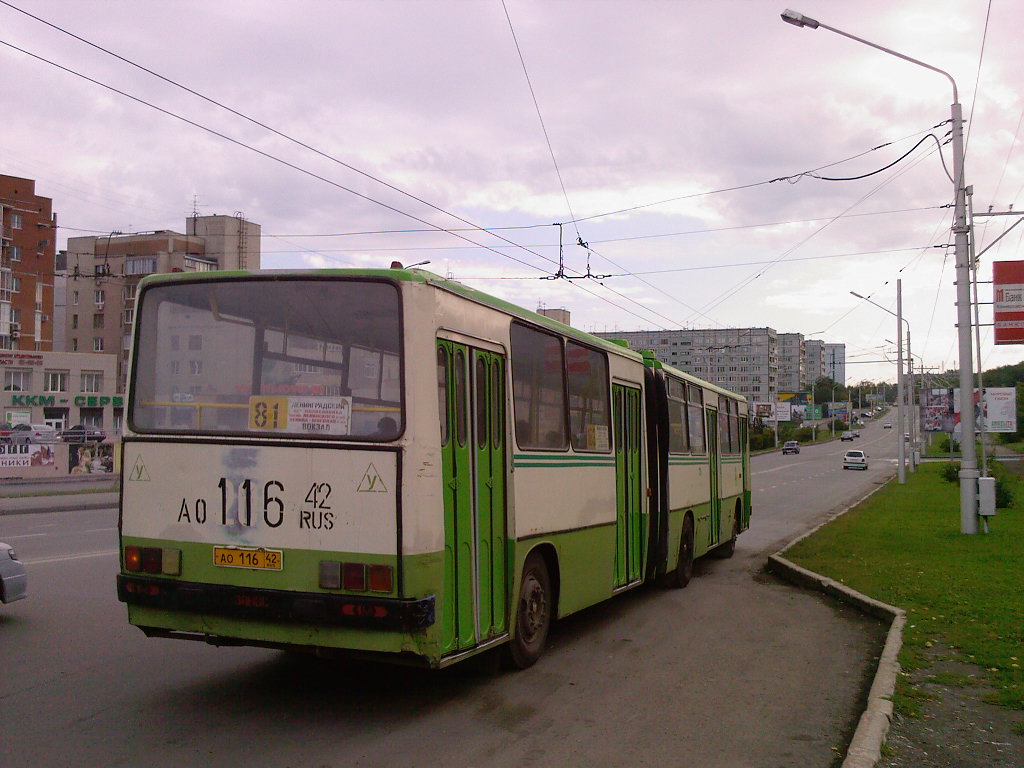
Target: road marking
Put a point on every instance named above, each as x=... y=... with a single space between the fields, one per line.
x=62 y=558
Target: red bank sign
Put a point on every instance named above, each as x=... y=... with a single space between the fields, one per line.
x=1008 y=287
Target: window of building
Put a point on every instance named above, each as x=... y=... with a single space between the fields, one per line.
x=127 y=317
x=74 y=321
x=15 y=252
x=140 y=265
x=97 y=320
x=74 y=345
x=55 y=381
x=175 y=367
x=97 y=344
x=174 y=343
x=74 y=297
x=195 y=367
x=16 y=221
x=17 y=380
x=195 y=342
x=15 y=284
x=99 y=297
x=192 y=264
x=92 y=381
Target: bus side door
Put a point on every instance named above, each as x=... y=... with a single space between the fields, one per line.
x=471 y=397
x=629 y=493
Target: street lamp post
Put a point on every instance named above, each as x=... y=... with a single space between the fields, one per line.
x=900 y=386
x=969 y=451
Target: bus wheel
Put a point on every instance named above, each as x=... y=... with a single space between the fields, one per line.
x=533 y=614
x=680 y=576
x=729 y=548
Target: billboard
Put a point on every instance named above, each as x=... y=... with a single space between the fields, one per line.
x=996 y=412
x=1008 y=301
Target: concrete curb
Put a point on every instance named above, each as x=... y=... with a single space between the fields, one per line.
x=865 y=748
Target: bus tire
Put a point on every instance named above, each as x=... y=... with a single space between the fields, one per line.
x=533 y=614
x=680 y=576
x=729 y=548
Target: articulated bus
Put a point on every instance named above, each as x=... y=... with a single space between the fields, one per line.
x=386 y=463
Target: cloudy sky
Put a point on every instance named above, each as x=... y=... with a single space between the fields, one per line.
x=675 y=139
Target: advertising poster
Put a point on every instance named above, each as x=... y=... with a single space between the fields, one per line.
x=997 y=410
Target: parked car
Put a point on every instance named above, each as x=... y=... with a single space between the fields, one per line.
x=13 y=579
x=855 y=460
x=790 y=446
x=846 y=437
x=33 y=433
x=887 y=425
x=856 y=433
x=82 y=433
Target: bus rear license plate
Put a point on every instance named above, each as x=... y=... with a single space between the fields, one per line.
x=248 y=557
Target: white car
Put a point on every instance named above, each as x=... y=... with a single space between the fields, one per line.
x=13 y=581
x=855 y=460
x=33 y=433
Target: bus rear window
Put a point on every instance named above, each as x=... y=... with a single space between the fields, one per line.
x=311 y=358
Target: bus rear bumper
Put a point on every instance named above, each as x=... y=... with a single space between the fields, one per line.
x=277 y=605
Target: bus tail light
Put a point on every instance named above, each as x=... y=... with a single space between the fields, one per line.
x=381 y=578
x=152 y=560
x=356 y=577
x=353 y=577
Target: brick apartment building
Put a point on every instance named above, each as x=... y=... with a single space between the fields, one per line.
x=27 y=252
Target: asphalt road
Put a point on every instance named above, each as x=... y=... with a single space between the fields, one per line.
x=736 y=670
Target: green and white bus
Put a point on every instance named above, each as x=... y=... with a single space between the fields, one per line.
x=390 y=464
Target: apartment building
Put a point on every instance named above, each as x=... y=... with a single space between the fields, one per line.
x=27 y=248
x=792 y=363
x=743 y=360
x=814 y=361
x=102 y=275
x=835 y=362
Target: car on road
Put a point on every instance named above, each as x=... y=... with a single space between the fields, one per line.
x=887 y=425
x=33 y=433
x=846 y=437
x=790 y=446
x=856 y=433
x=83 y=433
x=855 y=460
x=13 y=579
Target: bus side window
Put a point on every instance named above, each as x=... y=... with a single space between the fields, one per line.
x=538 y=389
x=482 y=403
x=460 y=397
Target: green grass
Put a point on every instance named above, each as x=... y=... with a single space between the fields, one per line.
x=903 y=546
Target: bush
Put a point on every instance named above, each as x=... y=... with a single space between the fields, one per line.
x=943 y=445
x=951 y=472
x=1004 y=493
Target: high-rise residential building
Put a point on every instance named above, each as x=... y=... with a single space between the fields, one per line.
x=792 y=363
x=103 y=274
x=814 y=366
x=743 y=360
x=835 y=362
x=27 y=248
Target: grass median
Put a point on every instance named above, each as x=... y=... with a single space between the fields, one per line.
x=903 y=546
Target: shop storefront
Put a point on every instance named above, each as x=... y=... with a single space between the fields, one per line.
x=62 y=389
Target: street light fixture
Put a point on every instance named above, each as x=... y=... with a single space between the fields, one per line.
x=969 y=451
